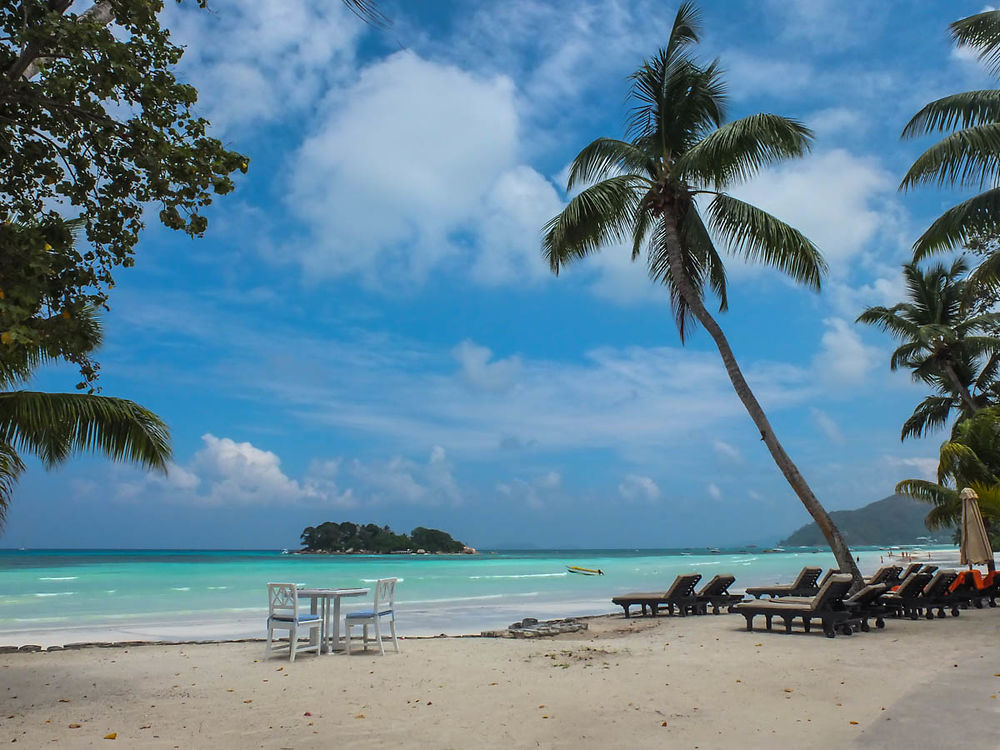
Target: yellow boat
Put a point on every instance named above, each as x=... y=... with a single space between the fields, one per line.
x=585 y=571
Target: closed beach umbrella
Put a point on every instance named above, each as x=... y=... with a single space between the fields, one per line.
x=975 y=548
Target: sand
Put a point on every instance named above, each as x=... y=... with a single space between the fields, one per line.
x=695 y=682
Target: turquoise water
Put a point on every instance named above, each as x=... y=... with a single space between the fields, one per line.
x=60 y=596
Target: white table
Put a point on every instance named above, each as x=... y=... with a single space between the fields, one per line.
x=321 y=601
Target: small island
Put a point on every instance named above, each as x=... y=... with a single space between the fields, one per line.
x=371 y=539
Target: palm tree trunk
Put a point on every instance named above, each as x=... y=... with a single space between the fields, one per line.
x=960 y=389
x=845 y=560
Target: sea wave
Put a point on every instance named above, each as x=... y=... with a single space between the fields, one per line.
x=59 y=578
x=57 y=593
x=376 y=580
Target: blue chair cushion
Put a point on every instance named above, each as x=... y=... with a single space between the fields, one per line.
x=300 y=618
x=367 y=613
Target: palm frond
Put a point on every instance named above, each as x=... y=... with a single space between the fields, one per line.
x=686 y=28
x=739 y=149
x=696 y=239
x=600 y=214
x=959 y=461
x=959 y=224
x=964 y=110
x=54 y=426
x=369 y=12
x=930 y=414
x=889 y=320
x=926 y=492
x=763 y=238
x=11 y=467
x=982 y=32
x=986 y=278
x=660 y=271
x=606 y=157
x=967 y=158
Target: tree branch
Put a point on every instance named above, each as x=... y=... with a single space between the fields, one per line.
x=31 y=59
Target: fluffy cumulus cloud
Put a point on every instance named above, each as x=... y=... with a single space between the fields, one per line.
x=230 y=473
x=827 y=425
x=637 y=488
x=413 y=166
x=480 y=372
x=844 y=359
x=533 y=493
x=840 y=201
x=261 y=61
x=923 y=468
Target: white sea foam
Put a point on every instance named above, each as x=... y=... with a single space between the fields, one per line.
x=58 y=593
x=376 y=580
x=180 y=588
x=217 y=588
x=62 y=578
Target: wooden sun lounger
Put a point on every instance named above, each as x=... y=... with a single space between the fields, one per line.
x=890 y=575
x=827 y=606
x=803 y=585
x=970 y=587
x=715 y=594
x=903 y=602
x=680 y=594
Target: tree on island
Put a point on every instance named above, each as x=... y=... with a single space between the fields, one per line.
x=352 y=537
x=643 y=191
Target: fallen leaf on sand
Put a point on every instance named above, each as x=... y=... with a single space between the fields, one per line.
x=74 y=726
x=854 y=722
x=64 y=700
x=545 y=717
x=248 y=700
x=663 y=724
x=111 y=736
x=307 y=714
x=789 y=690
x=360 y=716
x=229 y=690
x=758 y=644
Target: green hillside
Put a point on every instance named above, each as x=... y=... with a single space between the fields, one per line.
x=893 y=520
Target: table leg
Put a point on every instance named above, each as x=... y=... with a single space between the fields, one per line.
x=314 y=605
x=336 y=624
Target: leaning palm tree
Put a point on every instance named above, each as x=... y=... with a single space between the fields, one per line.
x=643 y=191
x=55 y=426
x=968 y=157
x=942 y=344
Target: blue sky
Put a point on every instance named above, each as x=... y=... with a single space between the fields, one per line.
x=367 y=331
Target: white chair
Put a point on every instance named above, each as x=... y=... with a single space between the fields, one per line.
x=384 y=606
x=283 y=612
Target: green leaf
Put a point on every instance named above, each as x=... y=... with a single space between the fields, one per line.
x=968 y=158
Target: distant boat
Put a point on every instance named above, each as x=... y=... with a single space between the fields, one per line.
x=284 y=551
x=714 y=551
x=584 y=571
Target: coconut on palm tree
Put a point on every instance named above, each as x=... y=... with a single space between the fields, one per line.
x=645 y=191
x=968 y=157
x=943 y=344
x=55 y=426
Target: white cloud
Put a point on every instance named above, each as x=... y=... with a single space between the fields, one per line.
x=480 y=372
x=926 y=468
x=636 y=487
x=839 y=201
x=403 y=480
x=714 y=492
x=727 y=451
x=837 y=120
x=261 y=61
x=534 y=492
x=843 y=359
x=403 y=161
x=827 y=424
x=750 y=75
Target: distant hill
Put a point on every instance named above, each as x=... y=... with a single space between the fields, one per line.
x=896 y=519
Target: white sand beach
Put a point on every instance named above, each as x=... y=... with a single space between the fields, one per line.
x=694 y=682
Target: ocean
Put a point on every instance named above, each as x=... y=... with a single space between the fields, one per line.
x=52 y=597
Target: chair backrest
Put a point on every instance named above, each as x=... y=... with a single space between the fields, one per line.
x=717 y=586
x=913 y=584
x=940 y=582
x=887 y=574
x=282 y=598
x=833 y=592
x=910 y=570
x=807 y=577
x=928 y=569
x=826 y=577
x=683 y=585
x=385 y=594
x=868 y=595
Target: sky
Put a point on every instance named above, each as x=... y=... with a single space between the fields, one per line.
x=368 y=331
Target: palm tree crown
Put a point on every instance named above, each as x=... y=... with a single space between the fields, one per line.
x=943 y=345
x=969 y=156
x=679 y=148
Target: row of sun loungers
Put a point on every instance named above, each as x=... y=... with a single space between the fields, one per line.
x=919 y=590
